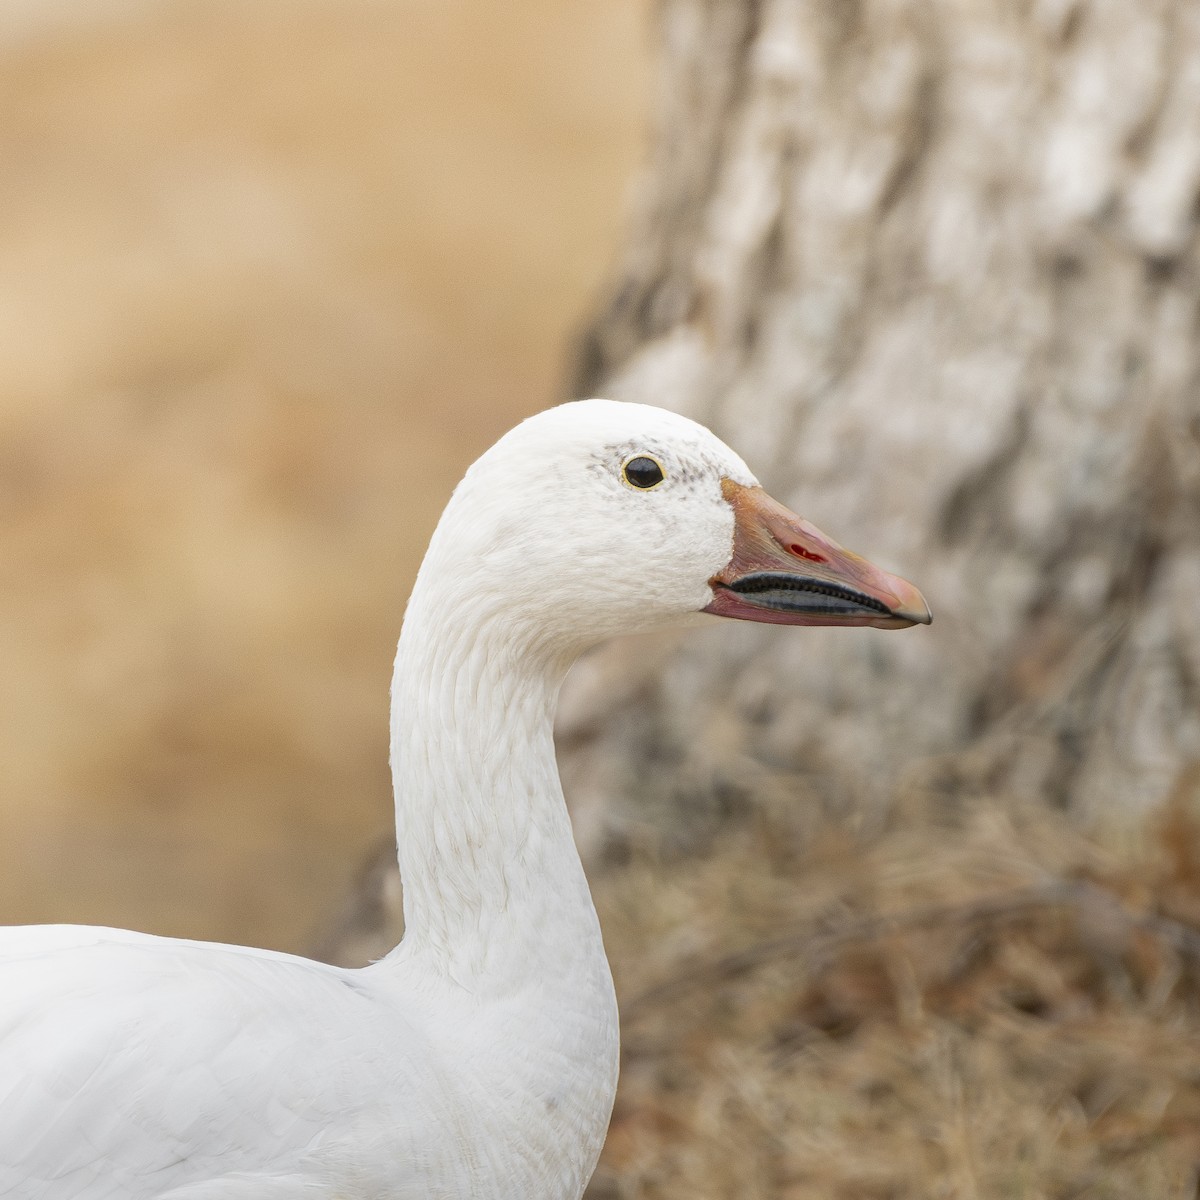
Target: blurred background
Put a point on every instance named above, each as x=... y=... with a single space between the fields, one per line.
x=890 y=915
x=271 y=276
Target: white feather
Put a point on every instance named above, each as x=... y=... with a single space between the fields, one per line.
x=480 y=1057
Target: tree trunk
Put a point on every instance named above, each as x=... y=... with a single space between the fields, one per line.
x=932 y=268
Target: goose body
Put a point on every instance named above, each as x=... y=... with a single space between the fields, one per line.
x=479 y=1058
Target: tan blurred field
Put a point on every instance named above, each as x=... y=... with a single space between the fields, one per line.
x=270 y=276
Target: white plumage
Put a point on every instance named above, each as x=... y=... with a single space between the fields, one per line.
x=479 y=1058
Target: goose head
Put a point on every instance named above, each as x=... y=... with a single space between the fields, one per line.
x=599 y=517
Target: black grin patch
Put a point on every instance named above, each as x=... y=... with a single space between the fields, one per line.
x=800 y=594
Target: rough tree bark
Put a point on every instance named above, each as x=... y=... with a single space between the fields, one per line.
x=932 y=267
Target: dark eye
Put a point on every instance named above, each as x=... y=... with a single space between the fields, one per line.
x=643 y=472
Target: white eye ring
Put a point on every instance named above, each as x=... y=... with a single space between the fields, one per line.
x=645 y=466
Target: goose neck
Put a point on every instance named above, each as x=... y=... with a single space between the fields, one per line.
x=494 y=893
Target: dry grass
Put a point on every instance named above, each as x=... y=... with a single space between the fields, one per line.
x=977 y=1004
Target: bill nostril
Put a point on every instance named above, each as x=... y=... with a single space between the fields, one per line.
x=808 y=554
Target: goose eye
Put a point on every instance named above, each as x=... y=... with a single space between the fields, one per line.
x=643 y=472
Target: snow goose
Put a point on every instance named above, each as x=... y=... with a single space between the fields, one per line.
x=479 y=1058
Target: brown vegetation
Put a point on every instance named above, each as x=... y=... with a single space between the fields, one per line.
x=976 y=1003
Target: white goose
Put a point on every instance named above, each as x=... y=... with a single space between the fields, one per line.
x=479 y=1058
